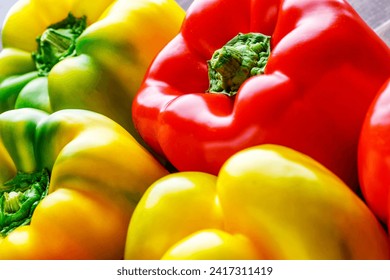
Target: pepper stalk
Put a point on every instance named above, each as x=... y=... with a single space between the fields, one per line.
x=57 y=42
x=19 y=197
x=244 y=56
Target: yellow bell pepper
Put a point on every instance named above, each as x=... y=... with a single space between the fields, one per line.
x=69 y=183
x=82 y=54
x=267 y=202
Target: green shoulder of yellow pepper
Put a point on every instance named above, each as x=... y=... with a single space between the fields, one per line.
x=267 y=202
x=82 y=54
x=69 y=182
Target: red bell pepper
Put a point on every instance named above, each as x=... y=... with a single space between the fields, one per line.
x=301 y=73
x=374 y=155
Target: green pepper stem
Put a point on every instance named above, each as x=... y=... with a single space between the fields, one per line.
x=57 y=42
x=60 y=40
x=19 y=197
x=244 y=56
x=12 y=201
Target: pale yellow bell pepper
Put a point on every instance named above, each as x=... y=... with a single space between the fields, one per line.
x=267 y=202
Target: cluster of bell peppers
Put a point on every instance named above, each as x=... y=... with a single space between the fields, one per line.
x=271 y=116
x=72 y=169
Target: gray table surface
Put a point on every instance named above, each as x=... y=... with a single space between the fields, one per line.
x=375 y=12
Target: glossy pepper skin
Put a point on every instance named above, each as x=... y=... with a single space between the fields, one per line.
x=374 y=153
x=267 y=202
x=94 y=60
x=98 y=172
x=324 y=68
